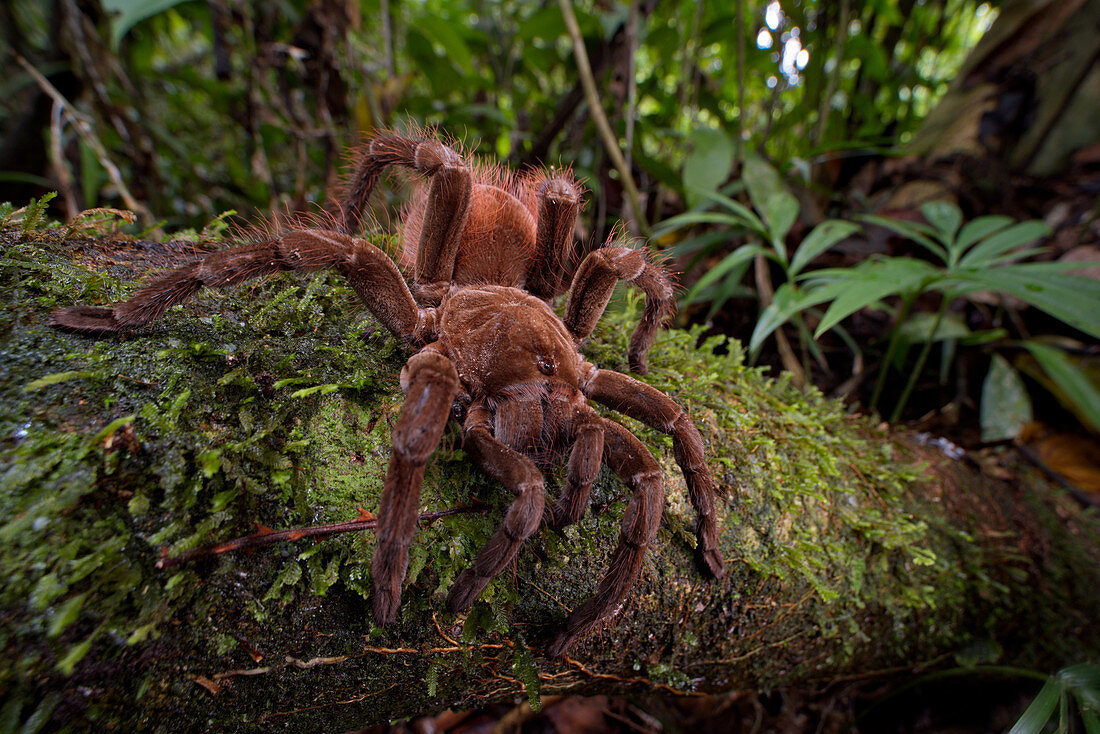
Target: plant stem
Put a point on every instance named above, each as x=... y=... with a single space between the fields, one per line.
x=925 y=350
x=895 y=339
x=611 y=143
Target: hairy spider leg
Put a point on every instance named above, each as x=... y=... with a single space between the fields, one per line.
x=431 y=383
x=592 y=288
x=371 y=273
x=629 y=459
x=583 y=469
x=651 y=406
x=447 y=206
x=559 y=203
x=519 y=475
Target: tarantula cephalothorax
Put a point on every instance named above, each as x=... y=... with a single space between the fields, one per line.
x=487 y=251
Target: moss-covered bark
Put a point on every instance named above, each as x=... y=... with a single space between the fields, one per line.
x=847 y=550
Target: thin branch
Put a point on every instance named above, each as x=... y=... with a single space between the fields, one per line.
x=84 y=129
x=267 y=536
x=611 y=143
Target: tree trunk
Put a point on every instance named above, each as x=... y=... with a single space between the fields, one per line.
x=848 y=550
x=1028 y=92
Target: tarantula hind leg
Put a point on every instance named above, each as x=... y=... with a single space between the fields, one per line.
x=520 y=475
x=643 y=402
x=630 y=459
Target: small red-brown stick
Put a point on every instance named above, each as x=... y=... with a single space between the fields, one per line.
x=267 y=536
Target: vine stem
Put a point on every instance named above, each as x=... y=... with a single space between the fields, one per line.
x=895 y=340
x=924 y=352
x=267 y=536
x=611 y=143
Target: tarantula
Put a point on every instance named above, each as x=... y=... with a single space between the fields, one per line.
x=487 y=250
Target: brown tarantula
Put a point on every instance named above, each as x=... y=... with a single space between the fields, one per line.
x=487 y=250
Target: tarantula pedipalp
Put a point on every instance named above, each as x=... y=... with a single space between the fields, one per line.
x=487 y=250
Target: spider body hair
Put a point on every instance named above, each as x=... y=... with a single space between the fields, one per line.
x=487 y=250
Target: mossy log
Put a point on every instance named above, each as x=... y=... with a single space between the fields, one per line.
x=848 y=550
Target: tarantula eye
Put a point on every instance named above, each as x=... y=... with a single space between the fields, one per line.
x=547 y=366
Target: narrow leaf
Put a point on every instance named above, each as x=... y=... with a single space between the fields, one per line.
x=786 y=302
x=1038 y=713
x=1069 y=378
x=909 y=231
x=1002 y=242
x=824 y=236
x=872 y=282
x=978 y=229
x=729 y=262
x=944 y=216
x=1071 y=298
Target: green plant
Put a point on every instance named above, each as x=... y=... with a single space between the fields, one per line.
x=1079 y=684
x=768 y=222
x=983 y=255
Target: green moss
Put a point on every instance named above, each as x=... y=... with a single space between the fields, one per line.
x=273 y=404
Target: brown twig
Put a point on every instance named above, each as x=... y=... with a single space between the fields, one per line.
x=267 y=536
x=610 y=142
x=84 y=129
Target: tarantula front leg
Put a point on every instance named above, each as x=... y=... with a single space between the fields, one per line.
x=520 y=475
x=371 y=273
x=447 y=207
x=430 y=383
x=628 y=458
x=651 y=406
x=595 y=281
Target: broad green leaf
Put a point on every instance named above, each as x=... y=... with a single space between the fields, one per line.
x=761 y=179
x=1038 y=713
x=1071 y=298
x=917 y=329
x=1002 y=242
x=1006 y=406
x=978 y=229
x=708 y=165
x=786 y=302
x=780 y=211
x=1071 y=380
x=872 y=281
x=442 y=32
x=909 y=230
x=132 y=12
x=739 y=256
x=824 y=236
x=944 y=216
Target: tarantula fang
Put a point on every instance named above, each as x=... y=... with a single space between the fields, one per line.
x=488 y=251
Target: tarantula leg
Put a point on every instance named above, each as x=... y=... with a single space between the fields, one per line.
x=370 y=271
x=520 y=475
x=559 y=202
x=423 y=155
x=628 y=458
x=583 y=469
x=431 y=383
x=651 y=406
x=595 y=281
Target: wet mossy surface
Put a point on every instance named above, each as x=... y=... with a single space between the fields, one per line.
x=272 y=404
